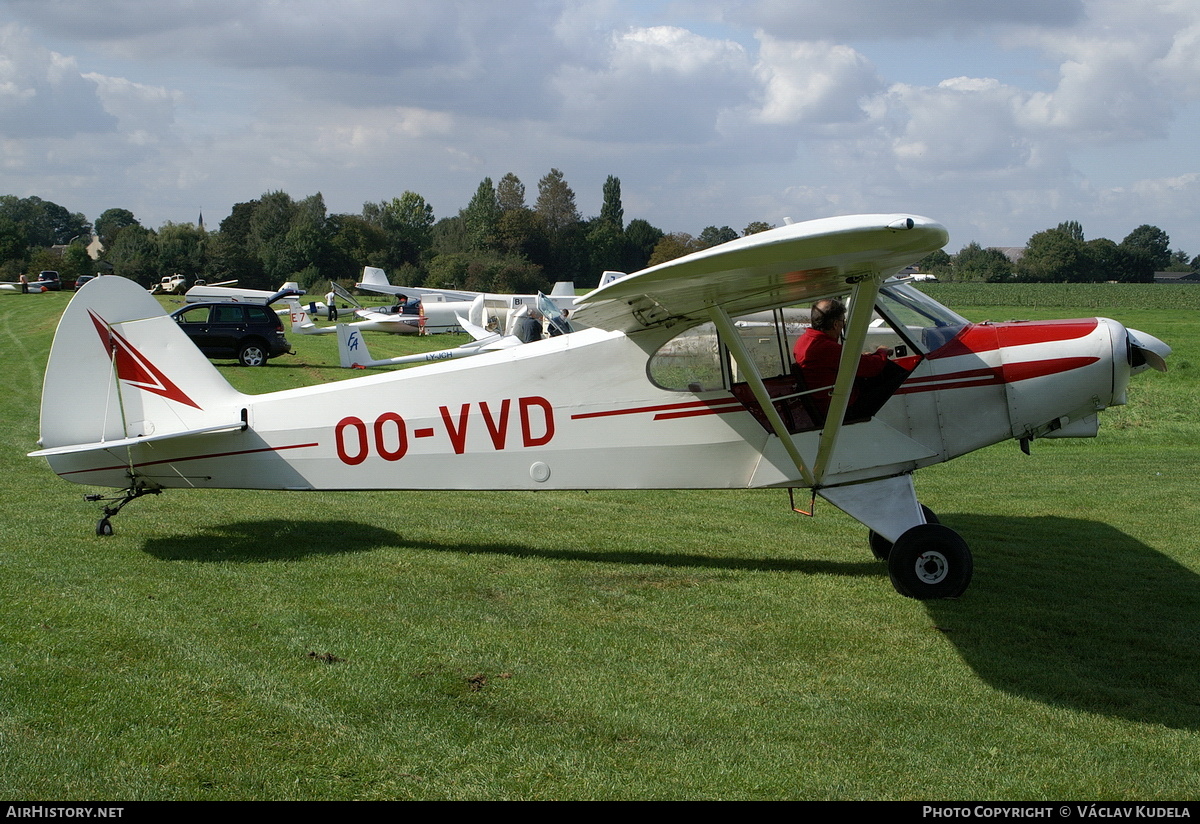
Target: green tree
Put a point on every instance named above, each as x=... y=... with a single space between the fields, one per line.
x=672 y=246
x=521 y=232
x=1179 y=262
x=712 y=236
x=407 y=224
x=1072 y=228
x=75 y=262
x=13 y=251
x=180 y=250
x=42 y=222
x=612 y=211
x=1153 y=242
x=111 y=222
x=448 y=271
x=230 y=256
x=450 y=236
x=134 y=254
x=569 y=256
x=640 y=240
x=606 y=243
x=756 y=226
x=510 y=193
x=556 y=202
x=482 y=216
x=974 y=263
x=355 y=242
x=937 y=263
x=1053 y=256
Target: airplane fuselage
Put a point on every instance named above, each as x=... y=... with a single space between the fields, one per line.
x=581 y=412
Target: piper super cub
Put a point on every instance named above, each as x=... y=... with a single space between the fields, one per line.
x=664 y=389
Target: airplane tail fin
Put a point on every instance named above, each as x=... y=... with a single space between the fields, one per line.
x=300 y=322
x=352 y=347
x=374 y=276
x=122 y=372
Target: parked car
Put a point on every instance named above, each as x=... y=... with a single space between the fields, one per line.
x=47 y=279
x=82 y=279
x=252 y=333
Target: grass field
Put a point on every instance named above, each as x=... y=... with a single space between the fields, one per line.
x=636 y=645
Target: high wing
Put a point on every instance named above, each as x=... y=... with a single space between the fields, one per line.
x=779 y=267
x=375 y=280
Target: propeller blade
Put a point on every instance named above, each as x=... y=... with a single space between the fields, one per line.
x=1147 y=350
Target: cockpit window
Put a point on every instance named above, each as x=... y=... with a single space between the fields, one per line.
x=692 y=361
x=905 y=320
x=921 y=319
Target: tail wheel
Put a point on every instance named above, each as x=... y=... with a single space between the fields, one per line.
x=881 y=547
x=930 y=561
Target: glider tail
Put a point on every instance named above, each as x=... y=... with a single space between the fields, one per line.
x=300 y=322
x=352 y=348
x=121 y=372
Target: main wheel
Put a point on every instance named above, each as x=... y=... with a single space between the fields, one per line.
x=881 y=547
x=252 y=354
x=930 y=561
x=104 y=527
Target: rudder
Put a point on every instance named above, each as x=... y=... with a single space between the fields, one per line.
x=120 y=368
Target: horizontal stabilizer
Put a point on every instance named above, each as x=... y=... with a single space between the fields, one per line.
x=92 y=447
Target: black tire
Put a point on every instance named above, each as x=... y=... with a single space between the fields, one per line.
x=252 y=354
x=930 y=561
x=881 y=547
x=104 y=527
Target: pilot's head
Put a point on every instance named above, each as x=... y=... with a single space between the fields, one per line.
x=826 y=314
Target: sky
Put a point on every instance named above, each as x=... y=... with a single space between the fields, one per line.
x=998 y=119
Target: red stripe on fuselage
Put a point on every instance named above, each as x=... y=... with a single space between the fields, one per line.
x=708 y=407
x=989 y=337
x=995 y=375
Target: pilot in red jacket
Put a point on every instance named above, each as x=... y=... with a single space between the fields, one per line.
x=819 y=350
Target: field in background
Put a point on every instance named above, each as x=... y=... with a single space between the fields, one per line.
x=611 y=645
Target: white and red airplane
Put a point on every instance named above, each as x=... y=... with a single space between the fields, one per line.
x=630 y=403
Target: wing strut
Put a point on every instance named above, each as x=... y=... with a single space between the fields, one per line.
x=862 y=304
x=746 y=363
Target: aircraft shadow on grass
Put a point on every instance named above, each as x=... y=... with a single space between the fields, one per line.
x=281 y=540
x=1076 y=613
x=1068 y=612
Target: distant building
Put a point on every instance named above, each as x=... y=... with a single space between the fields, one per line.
x=1177 y=277
x=1013 y=253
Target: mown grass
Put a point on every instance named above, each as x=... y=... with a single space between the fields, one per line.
x=605 y=645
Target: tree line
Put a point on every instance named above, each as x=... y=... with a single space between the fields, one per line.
x=1061 y=255
x=497 y=242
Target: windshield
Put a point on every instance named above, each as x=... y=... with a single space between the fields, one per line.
x=928 y=324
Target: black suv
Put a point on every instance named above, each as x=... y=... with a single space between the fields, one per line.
x=48 y=280
x=250 y=332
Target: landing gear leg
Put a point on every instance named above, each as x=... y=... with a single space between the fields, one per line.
x=881 y=547
x=104 y=526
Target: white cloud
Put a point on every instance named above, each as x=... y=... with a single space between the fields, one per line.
x=137 y=107
x=961 y=125
x=807 y=82
x=662 y=84
x=42 y=93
